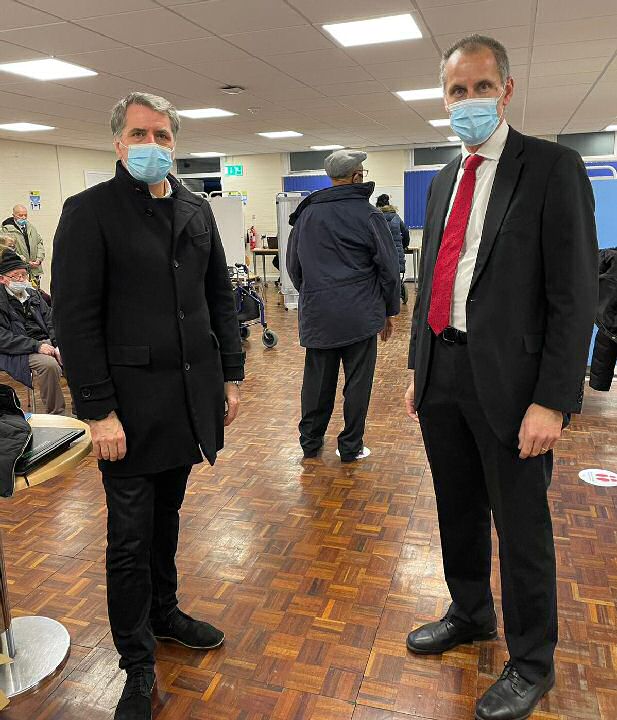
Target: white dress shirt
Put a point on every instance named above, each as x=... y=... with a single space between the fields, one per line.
x=485 y=175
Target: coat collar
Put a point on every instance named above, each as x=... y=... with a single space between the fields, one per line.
x=355 y=191
x=177 y=189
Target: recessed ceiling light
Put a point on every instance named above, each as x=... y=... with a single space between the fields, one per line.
x=327 y=147
x=207 y=154
x=610 y=128
x=280 y=134
x=441 y=122
x=377 y=30
x=47 y=69
x=25 y=127
x=425 y=94
x=454 y=138
x=232 y=89
x=205 y=113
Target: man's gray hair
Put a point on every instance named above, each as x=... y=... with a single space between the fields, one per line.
x=154 y=102
x=473 y=43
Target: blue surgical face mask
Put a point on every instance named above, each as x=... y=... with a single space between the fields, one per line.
x=21 y=222
x=149 y=162
x=476 y=119
x=18 y=286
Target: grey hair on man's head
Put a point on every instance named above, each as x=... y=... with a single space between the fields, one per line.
x=154 y=102
x=473 y=43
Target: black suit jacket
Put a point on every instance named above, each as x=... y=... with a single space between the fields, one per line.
x=146 y=320
x=532 y=301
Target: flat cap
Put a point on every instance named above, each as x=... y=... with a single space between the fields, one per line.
x=342 y=162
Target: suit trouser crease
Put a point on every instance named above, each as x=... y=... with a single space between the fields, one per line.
x=48 y=373
x=321 y=370
x=143 y=523
x=475 y=474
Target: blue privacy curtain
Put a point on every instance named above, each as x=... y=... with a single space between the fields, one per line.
x=292 y=183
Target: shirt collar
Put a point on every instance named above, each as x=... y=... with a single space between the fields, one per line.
x=493 y=147
x=168 y=191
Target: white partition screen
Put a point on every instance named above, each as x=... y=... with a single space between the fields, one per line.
x=286 y=203
x=229 y=215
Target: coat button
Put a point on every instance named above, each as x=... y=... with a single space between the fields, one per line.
x=86 y=393
x=187 y=366
x=176 y=264
x=149 y=212
x=181 y=315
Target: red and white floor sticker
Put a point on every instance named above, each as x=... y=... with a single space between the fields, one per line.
x=601 y=478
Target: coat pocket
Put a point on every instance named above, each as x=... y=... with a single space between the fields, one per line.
x=132 y=355
x=533 y=343
x=201 y=238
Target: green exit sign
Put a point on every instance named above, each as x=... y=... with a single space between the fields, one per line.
x=235 y=170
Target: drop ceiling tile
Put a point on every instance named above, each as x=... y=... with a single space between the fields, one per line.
x=468 y=17
x=266 y=43
x=197 y=52
x=15 y=53
x=182 y=82
x=327 y=11
x=316 y=76
x=374 y=101
x=226 y=17
x=563 y=67
x=58 y=38
x=512 y=37
x=17 y=15
x=558 y=10
x=405 y=68
x=352 y=88
x=568 y=31
x=547 y=81
x=137 y=28
x=315 y=60
x=72 y=10
x=115 y=61
x=574 y=50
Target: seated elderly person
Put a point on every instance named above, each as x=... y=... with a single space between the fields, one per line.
x=27 y=338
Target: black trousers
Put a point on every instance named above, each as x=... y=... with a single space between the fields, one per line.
x=321 y=368
x=142 y=538
x=603 y=362
x=474 y=474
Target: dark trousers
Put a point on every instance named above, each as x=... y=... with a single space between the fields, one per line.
x=603 y=362
x=474 y=474
x=142 y=538
x=321 y=368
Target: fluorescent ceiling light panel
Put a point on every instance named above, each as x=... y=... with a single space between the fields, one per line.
x=207 y=154
x=25 y=127
x=425 y=94
x=441 y=122
x=205 y=113
x=377 y=30
x=454 y=138
x=610 y=128
x=47 y=69
x=280 y=134
x=327 y=147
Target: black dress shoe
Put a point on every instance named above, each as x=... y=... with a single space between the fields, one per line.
x=136 y=699
x=512 y=697
x=437 y=637
x=181 y=628
x=313 y=452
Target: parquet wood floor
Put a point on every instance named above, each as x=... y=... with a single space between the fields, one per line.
x=316 y=571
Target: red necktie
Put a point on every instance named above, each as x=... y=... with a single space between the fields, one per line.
x=450 y=250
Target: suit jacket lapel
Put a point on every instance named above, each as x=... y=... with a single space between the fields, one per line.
x=506 y=179
x=186 y=205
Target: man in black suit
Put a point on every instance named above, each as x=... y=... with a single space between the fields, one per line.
x=146 y=321
x=500 y=336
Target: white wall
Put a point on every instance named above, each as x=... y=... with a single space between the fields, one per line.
x=56 y=172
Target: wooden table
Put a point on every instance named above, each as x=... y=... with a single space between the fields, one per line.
x=61 y=463
x=263 y=252
x=39 y=646
x=414 y=251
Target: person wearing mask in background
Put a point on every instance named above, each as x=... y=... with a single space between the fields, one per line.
x=342 y=261
x=154 y=360
x=27 y=337
x=400 y=235
x=500 y=337
x=28 y=242
x=605 y=346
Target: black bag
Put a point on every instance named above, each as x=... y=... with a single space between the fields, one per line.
x=15 y=436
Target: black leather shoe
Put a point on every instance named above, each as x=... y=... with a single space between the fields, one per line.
x=512 y=697
x=438 y=637
x=136 y=699
x=181 y=628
